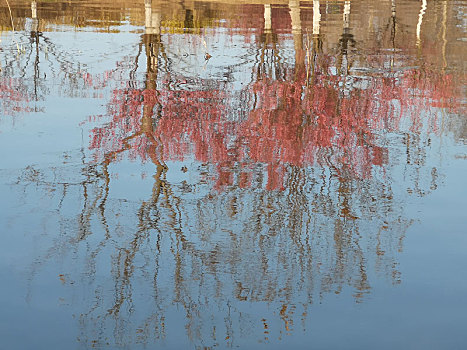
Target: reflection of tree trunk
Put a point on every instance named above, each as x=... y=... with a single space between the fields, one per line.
x=317 y=42
x=393 y=30
x=345 y=41
x=33 y=9
x=152 y=42
x=312 y=48
x=153 y=45
x=445 y=10
x=267 y=18
x=316 y=17
x=152 y=18
x=393 y=22
x=419 y=23
x=294 y=6
x=393 y=16
x=268 y=39
x=35 y=37
x=268 y=36
x=124 y=262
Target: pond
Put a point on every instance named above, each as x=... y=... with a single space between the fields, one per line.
x=222 y=174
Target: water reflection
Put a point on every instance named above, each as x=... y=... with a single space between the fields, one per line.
x=277 y=173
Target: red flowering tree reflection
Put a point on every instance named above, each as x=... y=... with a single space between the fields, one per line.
x=14 y=96
x=292 y=122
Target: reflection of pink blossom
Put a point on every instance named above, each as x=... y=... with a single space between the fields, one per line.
x=291 y=124
x=14 y=96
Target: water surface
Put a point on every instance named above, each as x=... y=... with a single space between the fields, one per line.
x=221 y=174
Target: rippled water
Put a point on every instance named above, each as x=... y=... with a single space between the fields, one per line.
x=218 y=174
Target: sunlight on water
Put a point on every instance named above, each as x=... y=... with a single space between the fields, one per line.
x=233 y=174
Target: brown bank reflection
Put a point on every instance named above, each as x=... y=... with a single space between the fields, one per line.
x=296 y=191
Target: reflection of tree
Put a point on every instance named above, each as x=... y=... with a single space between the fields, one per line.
x=14 y=92
x=319 y=147
x=302 y=205
x=31 y=52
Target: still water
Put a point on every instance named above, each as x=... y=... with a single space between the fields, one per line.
x=233 y=174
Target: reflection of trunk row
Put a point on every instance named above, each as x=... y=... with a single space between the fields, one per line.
x=153 y=18
x=74 y=14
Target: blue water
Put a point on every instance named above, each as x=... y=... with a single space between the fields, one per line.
x=302 y=185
